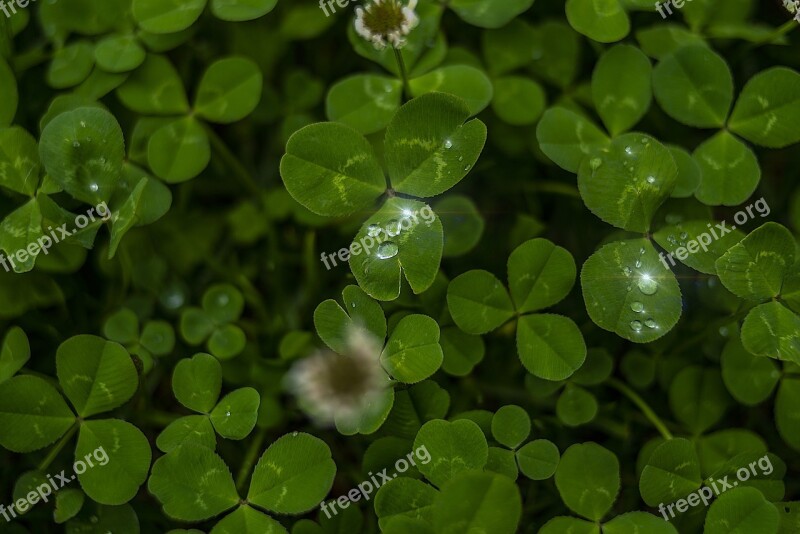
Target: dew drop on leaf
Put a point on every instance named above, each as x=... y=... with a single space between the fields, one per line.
x=386 y=250
x=627 y=271
x=637 y=306
x=651 y=179
x=373 y=230
x=448 y=144
x=650 y=323
x=636 y=326
x=647 y=285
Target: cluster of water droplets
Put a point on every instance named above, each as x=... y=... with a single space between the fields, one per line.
x=679 y=240
x=647 y=286
x=448 y=144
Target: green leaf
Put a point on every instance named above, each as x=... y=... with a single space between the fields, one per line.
x=227 y=342
x=119 y=53
x=458 y=446
x=694 y=86
x=179 y=150
x=236 y=414
x=540 y=274
x=478 y=302
x=689 y=173
x=750 y=379
x=197 y=382
x=462 y=224
x=32 y=414
x=638 y=522
x=698 y=398
x=487 y=14
x=126 y=454
x=83 y=150
x=68 y=503
x=587 y=479
x=335 y=323
x=478 y=502
x=413 y=353
x=429 y=147
x=502 y=462
x=550 y=346
x=576 y=406
x=509 y=48
x=602 y=20
x=193 y=483
x=787 y=418
x=511 y=425
x=755 y=267
x=462 y=352
x=766 y=112
x=518 y=100
x=663 y=39
x=625 y=183
x=8 y=87
x=241 y=10
x=404 y=238
x=571 y=525
x=246 y=520
x=196 y=325
x=567 y=138
x=331 y=169
x=773 y=331
x=621 y=87
x=14 y=352
x=167 y=16
x=364 y=102
x=697 y=244
x=672 y=472
x=223 y=303
x=154 y=88
x=71 y=65
x=229 y=91
x=21 y=228
x=465 y=82
x=293 y=475
x=729 y=171
x=122 y=326
x=404 y=497
x=538 y=459
x=19 y=160
x=741 y=510
x=196 y=429
x=627 y=290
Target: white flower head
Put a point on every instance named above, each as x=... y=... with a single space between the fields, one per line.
x=793 y=6
x=385 y=22
x=341 y=387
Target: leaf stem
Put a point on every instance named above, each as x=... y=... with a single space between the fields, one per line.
x=642 y=405
x=250 y=459
x=233 y=162
x=779 y=32
x=401 y=64
x=60 y=445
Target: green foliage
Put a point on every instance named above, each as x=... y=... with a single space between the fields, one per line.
x=466 y=160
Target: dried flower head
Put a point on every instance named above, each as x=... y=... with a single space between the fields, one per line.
x=385 y=22
x=341 y=387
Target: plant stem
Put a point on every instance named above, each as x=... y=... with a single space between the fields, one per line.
x=781 y=31
x=643 y=406
x=60 y=445
x=233 y=162
x=250 y=458
x=403 y=74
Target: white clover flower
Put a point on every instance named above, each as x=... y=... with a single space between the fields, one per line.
x=385 y=22
x=341 y=387
x=793 y=6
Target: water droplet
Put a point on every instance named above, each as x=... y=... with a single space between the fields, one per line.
x=294 y=434
x=671 y=239
x=76 y=144
x=83 y=124
x=227 y=414
x=630 y=169
x=638 y=263
x=651 y=179
x=647 y=285
x=448 y=144
x=353 y=305
x=393 y=227
x=638 y=307
x=636 y=326
x=373 y=230
x=460 y=158
x=627 y=271
x=628 y=150
x=641 y=251
x=386 y=250
x=93 y=187
x=387 y=88
x=723 y=331
x=93 y=519
x=684 y=235
x=649 y=323
x=645 y=141
x=467 y=167
x=222 y=299
x=595 y=163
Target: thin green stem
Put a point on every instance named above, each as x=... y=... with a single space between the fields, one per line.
x=779 y=32
x=401 y=64
x=642 y=405
x=239 y=170
x=58 y=446
x=250 y=459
